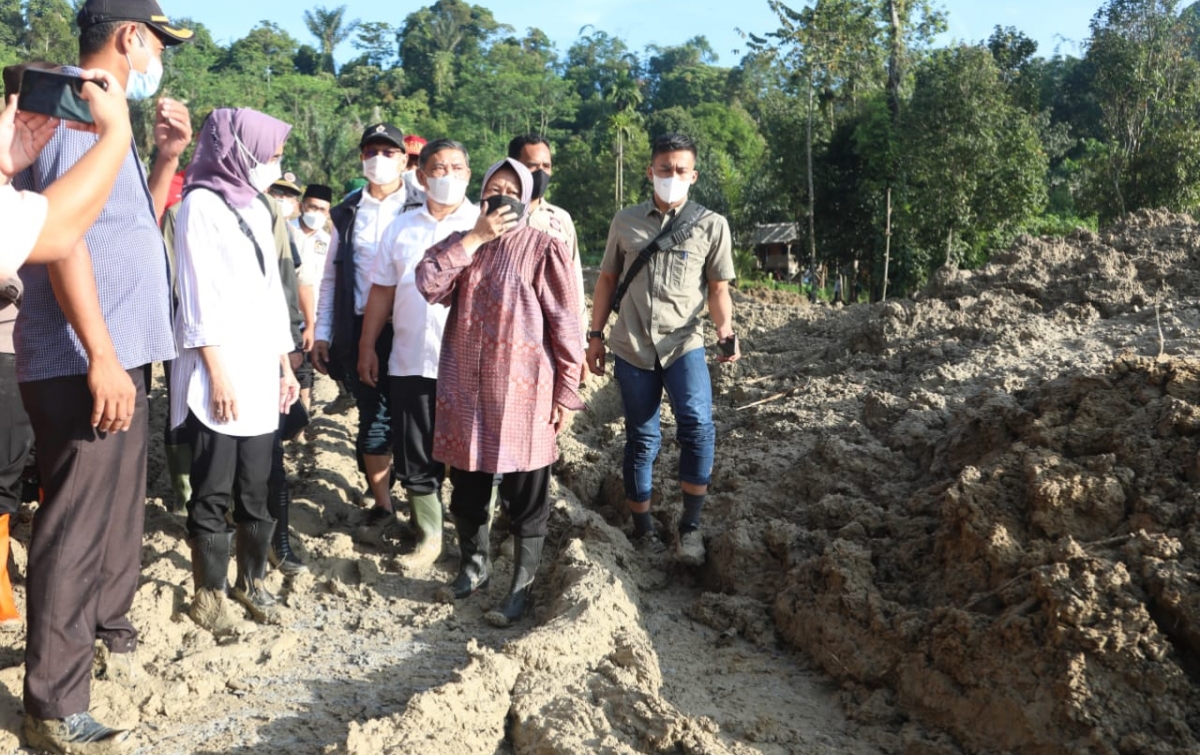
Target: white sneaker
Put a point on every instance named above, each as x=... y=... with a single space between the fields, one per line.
x=689 y=548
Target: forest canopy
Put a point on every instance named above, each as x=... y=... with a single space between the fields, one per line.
x=846 y=118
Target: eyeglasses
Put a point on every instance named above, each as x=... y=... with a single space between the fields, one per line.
x=389 y=152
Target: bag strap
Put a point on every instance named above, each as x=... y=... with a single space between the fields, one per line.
x=674 y=234
x=262 y=263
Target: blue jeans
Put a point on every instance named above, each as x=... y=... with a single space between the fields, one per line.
x=690 y=393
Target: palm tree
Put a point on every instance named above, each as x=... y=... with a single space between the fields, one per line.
x=331 y=29
x=625 y=94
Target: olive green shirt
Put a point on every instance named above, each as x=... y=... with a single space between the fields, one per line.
x=660 y=315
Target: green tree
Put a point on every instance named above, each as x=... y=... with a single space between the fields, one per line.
x=49 y=32
x=972 y=166
x=435 y=42
x=1148 y=93
x=330 y=27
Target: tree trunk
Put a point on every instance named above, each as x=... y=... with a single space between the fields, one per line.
x=887 y=245
x=812 y=231
x=895 y=73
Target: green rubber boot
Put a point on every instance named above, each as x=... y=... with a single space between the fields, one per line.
x=427 y=516
x=179 y=466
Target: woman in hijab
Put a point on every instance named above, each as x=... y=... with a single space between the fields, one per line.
x=232 y=378
x=507 y=379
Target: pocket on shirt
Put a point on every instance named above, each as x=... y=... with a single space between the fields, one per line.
x=686 y=265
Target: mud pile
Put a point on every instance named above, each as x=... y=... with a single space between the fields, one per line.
x=960 y=524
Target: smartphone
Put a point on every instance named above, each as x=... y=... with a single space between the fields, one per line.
x=497 y=200
x=728 y=346
x=56 y=94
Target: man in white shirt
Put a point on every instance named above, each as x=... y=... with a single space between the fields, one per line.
x=359 y=224
x=443 y=172
x=312 y=243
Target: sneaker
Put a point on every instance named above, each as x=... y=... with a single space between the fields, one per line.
x=77 y=734
x=689 y=548
x=649 y=544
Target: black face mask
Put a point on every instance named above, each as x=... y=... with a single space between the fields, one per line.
x=497 y=201
x=541 y=180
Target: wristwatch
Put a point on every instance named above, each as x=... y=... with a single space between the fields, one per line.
x=595 y=334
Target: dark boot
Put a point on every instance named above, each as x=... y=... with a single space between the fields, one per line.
x=281 y=554
x=474 y=566
x=253 y=544
x=528 y=552
x=427 y=516
x=210 y=568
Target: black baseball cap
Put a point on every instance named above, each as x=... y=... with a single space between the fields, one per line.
x=148 y=12
x=382 y=132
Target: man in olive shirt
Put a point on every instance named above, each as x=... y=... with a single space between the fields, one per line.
x=658 y=338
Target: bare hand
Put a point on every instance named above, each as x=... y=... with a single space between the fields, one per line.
x=596 y=356
x=289 y=391
x=22 y=137
x=737 y=350
x=109 y=108
x=172 y=128
x=493 y=225
x=368 y=365
x=224 y=402
x=306 y=340
x=560 y=417
x=320 y=357
x=295 y=359
x=113 y=395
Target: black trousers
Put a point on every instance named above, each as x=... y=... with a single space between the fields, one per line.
x=16 y=436
x=374 y=436
x=227 y=470
x=413 y=408
x=86 y=551
x=527 y=493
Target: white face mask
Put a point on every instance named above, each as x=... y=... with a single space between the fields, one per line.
x=381 y=170
x=288 y=206
x=671 y=190
x=448 y=189
x=261 y=175
x=313 y=220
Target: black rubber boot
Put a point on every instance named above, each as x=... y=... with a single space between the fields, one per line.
x=528 y=553
x=282 y=556
x=210 y=572
x=253 y=543
x=474 y=565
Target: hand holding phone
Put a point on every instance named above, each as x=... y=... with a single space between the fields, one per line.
x=727 y=348
x=106 y=102
x=59 y=95
x=22 y=137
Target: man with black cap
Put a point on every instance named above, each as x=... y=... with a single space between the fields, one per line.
x=359 y=224
x=81 y=346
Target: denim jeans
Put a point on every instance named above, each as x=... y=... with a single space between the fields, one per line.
x=688 y=388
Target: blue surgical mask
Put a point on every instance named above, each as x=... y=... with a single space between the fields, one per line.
x=143 y=85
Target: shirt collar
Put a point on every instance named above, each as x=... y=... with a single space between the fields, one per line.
x=395 y=198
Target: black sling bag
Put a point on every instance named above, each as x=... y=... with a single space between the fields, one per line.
x=673 y=235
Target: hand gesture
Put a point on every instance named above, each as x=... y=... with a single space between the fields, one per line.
x=494 y=224
x=172 y=128
x=22 y=137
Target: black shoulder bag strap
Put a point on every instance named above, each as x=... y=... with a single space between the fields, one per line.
x=262 y=262
x=674 y=234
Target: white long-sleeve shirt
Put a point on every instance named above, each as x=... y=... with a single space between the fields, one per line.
x=313 y=248
x=226 y=299
x=370 y=223
x=418 y=325
x=22 y=214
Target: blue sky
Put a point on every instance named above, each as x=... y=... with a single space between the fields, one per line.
x=1061 y=24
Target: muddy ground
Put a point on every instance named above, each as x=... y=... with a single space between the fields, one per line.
x=965 y=523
